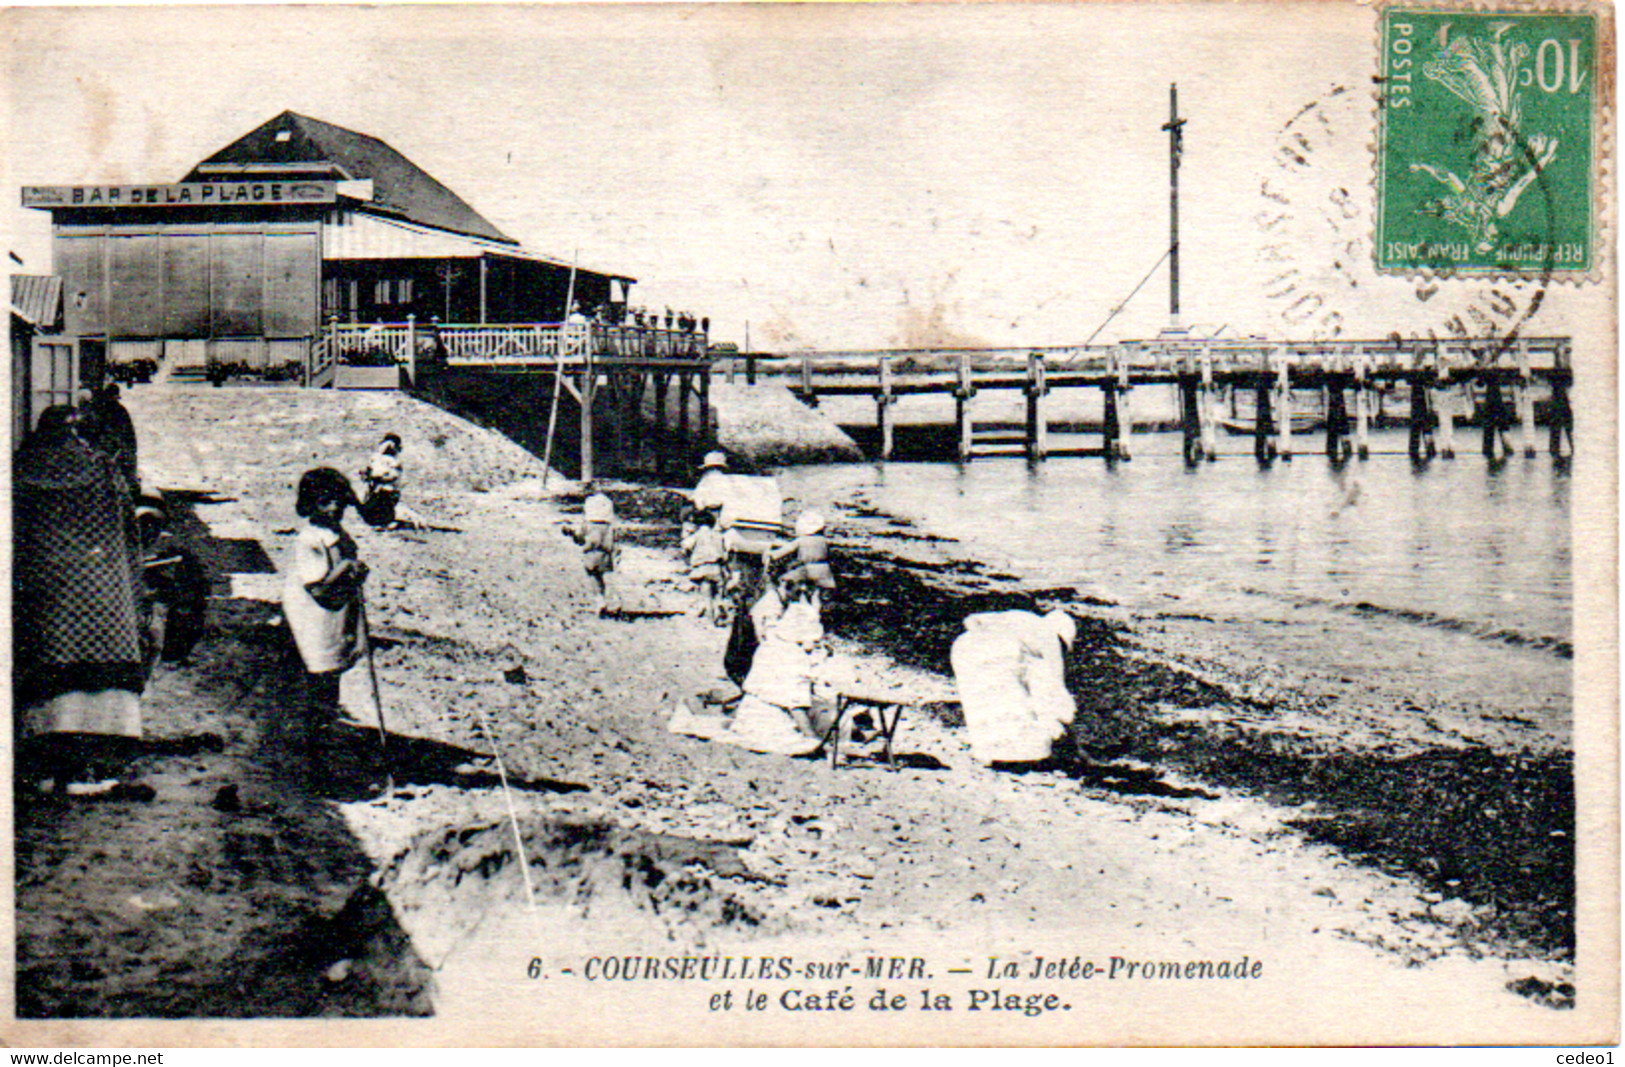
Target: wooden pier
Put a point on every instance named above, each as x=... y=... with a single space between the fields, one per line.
x=1444 y=380
x=606 y=369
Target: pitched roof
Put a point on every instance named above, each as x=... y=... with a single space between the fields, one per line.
x=400 y=187
x=37 y=299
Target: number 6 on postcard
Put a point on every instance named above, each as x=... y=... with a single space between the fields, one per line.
x=1486 y=150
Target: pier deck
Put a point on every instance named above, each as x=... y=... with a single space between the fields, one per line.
x=1445 y=379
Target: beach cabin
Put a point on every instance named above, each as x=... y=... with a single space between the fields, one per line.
x=297 y=223
x=45 y=369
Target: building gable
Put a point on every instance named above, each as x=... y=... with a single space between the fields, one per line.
x=297 y=145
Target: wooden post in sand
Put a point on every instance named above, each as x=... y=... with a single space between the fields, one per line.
x=964 y=390
x=883 y=403
x=1037 y=425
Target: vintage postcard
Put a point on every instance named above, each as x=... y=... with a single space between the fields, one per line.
x=758 y=524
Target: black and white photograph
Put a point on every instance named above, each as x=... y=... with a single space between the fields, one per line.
x=739 y=524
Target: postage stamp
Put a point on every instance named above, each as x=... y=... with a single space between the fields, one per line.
x=1485 y=160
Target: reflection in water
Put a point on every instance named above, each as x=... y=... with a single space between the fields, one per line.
x=1453 y=539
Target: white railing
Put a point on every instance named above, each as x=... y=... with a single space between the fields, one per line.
x=1534 y=354
x=524 y=342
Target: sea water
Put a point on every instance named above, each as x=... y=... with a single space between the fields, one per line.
x=1464 y=544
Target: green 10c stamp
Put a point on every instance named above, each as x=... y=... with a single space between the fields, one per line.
x=1485 y=149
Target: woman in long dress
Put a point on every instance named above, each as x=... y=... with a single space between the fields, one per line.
x=75 y=618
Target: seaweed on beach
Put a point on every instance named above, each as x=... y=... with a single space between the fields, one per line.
x=889 y=604
x=1495 y=830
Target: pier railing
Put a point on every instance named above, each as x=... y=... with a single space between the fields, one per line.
x=1166 y=360
x=505 y=344
x=1444 y=379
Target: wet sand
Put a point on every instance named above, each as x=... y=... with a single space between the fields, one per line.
x=308 y=894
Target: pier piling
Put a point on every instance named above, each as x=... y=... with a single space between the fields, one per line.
x=705 y=415
x=1123 y=409
x=1209 y=408
x=1283 y=417
x=1263 y=422
x=1445 y=407
x=683 y=441
x=1338 y=448
x=964 y=423
x=1560 y=422
x=662 y=436
x=1037 y=426
x=587 y=389
x=1362 y=406
x=1108 y=422
x=1495 y=418
x=883 y=404
x=1190 y=419
x=1421 y=421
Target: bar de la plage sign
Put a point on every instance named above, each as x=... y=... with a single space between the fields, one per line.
x=185 y=194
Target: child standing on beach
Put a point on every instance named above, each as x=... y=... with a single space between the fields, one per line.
x=595 y=533
x=811 y=575
x=322 y=596
x=383 y=478
x=705 y=557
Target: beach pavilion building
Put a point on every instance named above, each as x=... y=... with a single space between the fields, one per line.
x=295 y=224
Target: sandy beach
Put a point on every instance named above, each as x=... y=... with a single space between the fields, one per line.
x=1223 y=809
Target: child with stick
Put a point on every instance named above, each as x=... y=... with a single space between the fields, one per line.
x=322 y=596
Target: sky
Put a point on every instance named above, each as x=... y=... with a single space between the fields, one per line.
x=834 y=176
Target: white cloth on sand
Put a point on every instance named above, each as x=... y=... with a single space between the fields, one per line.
x=1010 y=671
